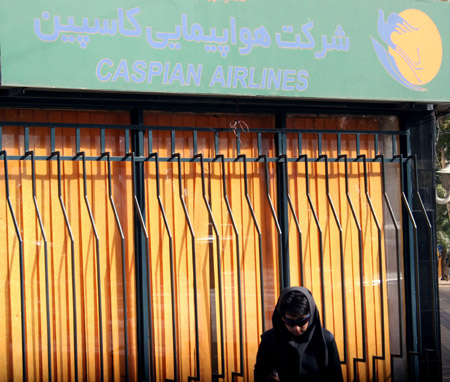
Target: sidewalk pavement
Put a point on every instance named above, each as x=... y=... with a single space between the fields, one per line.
x=444 y=302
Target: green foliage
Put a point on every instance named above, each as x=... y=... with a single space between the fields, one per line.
x=442 y=221
x=443 y=136
x=442 y=151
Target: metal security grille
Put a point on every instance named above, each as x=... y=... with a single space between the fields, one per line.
x=157 y=252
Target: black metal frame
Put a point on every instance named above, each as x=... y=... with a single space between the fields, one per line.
x=410 y=190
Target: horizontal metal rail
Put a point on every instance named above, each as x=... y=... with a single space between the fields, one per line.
x=189 y=159
x=214 y=131
x=54 y=125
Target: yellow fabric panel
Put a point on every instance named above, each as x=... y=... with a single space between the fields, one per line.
x=330 y=236
x=206 y=245
x=59 y=253
x=208 y=260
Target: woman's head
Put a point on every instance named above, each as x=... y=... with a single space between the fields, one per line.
x=294 y=303
x=295 y=312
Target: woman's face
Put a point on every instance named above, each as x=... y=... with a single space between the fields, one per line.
x=296 y=328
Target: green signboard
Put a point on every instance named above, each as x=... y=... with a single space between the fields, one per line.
x=382 y=50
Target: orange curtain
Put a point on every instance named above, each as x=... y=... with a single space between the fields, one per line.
x=211 y=219
x=226 y=247
x=325 y=232
x=59 y=252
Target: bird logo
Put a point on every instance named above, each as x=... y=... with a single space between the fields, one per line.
x=412 y=50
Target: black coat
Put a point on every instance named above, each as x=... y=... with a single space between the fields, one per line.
x=312 y=356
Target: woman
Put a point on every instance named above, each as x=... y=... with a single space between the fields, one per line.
x=298 y=348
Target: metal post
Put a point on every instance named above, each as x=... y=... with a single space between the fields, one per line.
x=142 y=298
x=282 y=204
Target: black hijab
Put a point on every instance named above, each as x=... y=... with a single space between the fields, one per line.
x=310 y=346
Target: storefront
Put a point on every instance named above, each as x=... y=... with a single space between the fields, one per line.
x=168 y=168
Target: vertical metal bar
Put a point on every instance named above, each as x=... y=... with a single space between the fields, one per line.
x=259 y=144
x=319 y=138
x=394 y=144
x=341 y=252
x=216 y=143
x=41 y=227
x=376 y=144
x=234 y=374
x=319 y=230
x=52 y=139
x=399 y=278
x=145 y=360
x=215 y=375
x=411 y=243
x=26 y=138
x=381 y=357
x=194 y=271
x=361 y=270
x=282 y=203
x=275 y=218
x=150 y=141
x=77 y=140
x=258 y=230
x=297 y=224
x=150 y=348
x=417 y=344
x=172 y=143
x=358 y=144
x=430 y=253
x=102 y=140
x=97 y=250
x=194 y=138
x=127 y=141
x=339 y=144
x=300 y=148
x=171 y=259
x=238 y=142
x=21 y=264
x=72 y=251
x=124 y=270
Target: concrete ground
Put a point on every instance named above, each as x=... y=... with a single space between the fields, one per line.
x=444 y=301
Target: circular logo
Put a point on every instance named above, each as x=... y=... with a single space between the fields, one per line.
x=412 y=54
